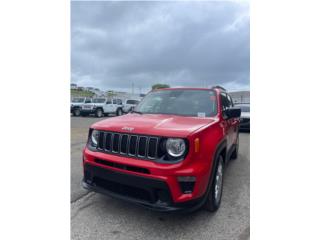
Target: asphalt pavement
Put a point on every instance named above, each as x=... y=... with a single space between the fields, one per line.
x=94 y=216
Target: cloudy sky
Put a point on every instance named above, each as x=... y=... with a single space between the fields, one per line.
x=196 y=44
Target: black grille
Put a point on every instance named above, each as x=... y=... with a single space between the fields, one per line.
x=115 y=142
x=129 y=145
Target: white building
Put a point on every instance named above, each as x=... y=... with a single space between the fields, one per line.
x=240 y=96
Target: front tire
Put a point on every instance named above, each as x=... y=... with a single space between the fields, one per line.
x=76 y=112
x=215 y=193
x=99 y=113
x=119 y=112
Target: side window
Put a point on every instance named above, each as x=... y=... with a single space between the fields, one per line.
x=224 y=101
x=119 y=101
x=114 y=101
x=230 y=101
x=108 y=101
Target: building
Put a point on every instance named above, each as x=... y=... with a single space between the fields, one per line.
x=73 y=86
x=240 y=96
x=123 y=95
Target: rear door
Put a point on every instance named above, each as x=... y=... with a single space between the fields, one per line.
x=108 y=106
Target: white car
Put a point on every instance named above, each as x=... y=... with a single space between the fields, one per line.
x=76 y=104
x=103 y=106
x=245 y=117
x=130 y=104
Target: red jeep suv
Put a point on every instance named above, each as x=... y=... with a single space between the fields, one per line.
x=169 y=153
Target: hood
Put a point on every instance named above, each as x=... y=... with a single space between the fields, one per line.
x=153 y=124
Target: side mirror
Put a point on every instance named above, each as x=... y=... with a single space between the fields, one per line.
x=233 y=113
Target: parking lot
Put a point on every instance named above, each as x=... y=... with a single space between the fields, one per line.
x=94 y=216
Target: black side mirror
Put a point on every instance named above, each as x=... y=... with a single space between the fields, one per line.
x=233 y=113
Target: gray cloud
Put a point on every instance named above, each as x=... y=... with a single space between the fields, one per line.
x=179 y=43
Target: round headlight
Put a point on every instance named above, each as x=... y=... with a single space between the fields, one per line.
x=176 y=147
x=94 y=137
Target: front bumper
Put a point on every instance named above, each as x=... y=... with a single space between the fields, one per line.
x=244 y=124
x=88 y=111
x=144 y=191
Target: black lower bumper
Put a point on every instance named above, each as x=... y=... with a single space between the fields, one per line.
x=244 y=125
x=88 y=111
x=146 y=192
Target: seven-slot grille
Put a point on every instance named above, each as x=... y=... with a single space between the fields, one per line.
x=128 y=144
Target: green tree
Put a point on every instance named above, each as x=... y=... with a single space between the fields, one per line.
x=160 y=85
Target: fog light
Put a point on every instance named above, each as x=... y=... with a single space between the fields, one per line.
x=187 y=184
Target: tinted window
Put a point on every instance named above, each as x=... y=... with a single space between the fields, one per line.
x=230 y=100
x=98 y=100
x=185 y=102
x=78 y=100
x=225 y=102
x=132 y=102
x=88 y=101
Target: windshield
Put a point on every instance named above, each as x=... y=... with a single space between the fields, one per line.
x=98 y=100
x=200 y=103
x=132 y=101
x=78 y=100
x=245 y=108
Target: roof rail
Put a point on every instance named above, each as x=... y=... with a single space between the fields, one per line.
x=219 y=87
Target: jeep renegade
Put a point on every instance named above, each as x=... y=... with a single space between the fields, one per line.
x=169 y=153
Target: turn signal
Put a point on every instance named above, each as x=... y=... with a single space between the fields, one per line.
x=196 y=145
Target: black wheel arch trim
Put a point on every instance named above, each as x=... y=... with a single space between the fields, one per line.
x=221 y=146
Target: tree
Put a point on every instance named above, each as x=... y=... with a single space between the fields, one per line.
x=160 y=85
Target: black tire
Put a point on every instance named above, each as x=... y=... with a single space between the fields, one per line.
x=99 y=113
x=234 y=154
x=119 y=112
x=213 y=199
x=76 y=112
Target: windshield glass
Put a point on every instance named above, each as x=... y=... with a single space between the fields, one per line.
x=199 y=103
x=98 y=100
x=78 y=100
x=245 y=108
x=132 y=101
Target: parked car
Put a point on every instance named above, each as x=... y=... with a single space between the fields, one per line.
x=129 y=105
x=169 y=154
x=245 y=117
x=76 y=105
x=102 y=106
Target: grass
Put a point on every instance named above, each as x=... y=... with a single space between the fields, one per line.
x=81 y=93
